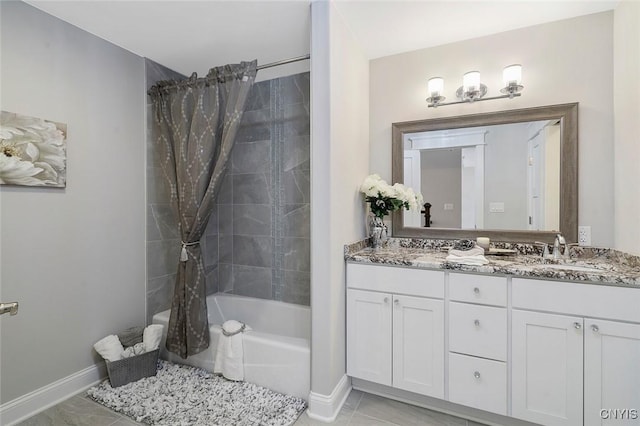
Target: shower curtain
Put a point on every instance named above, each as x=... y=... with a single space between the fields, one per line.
x=195 y=122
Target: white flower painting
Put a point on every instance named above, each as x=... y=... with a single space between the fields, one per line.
x=32 y=151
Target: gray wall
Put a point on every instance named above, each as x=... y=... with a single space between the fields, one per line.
x=257 y=241
x=163 y=241
x=74 y=257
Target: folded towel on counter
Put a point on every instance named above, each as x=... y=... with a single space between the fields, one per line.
x=151 y=336
x=109 y=348
x=468 y=260
x=229 y=359
x=137 y=349
x=475 y=251
x=473 y=256
x=131 y=336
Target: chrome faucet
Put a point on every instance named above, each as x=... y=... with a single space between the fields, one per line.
x=559 y=253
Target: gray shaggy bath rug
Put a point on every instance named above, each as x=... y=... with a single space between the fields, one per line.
x=183 y=395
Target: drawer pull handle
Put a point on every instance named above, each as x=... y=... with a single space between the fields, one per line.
x=477 y=323
x=386 y=300
x=595 y=328
x=476 y=374
x=577 y=325
x=476 y=290
x=396 y=301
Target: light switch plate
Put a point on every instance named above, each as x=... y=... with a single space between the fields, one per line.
x=448 y=206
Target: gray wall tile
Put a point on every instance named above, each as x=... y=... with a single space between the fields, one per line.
x=297 y=288
x=252 y=251
x=252 y=219
x=251 y=157
x=162 y=257
x=159 y=294
x=296 y=153
x=225 y=277
x=210 y=250
x=225 y=248
x=153 y=232
x=297 y=186
x=211 y=279
x=252 y=281
x=225 y=219
x=297 y=221
x=297 y=254
x=251 y=189
x=165 y=220
x=225 y=195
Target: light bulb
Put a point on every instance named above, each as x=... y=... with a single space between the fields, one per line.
x=435 y=86
x=471 y=81
x=512 y=75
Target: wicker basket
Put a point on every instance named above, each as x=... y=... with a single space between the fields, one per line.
x=129 y=370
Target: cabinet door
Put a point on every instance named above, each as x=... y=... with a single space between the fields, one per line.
x=547 y=368
x=611 y=373
x=369 y=336
x=418 y=345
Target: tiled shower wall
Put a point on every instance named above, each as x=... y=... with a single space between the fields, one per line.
x=257 y=242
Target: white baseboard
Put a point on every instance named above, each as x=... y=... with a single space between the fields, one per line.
x=23 y=407
x=325 y=408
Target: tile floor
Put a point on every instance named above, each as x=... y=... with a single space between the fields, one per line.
x=360 y=409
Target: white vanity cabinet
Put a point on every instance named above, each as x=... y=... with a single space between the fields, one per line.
x=394 y=338
x=555 y=353
x=575 y=352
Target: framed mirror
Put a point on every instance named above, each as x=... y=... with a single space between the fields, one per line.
x=511 y=175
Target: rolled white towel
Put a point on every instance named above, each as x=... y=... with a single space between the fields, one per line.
x=151 y=336
x=137 y=349
x=109 y=348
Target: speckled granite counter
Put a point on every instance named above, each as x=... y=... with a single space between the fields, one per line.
x=587 y=264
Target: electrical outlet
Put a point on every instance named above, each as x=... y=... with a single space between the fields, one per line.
x=584 y=235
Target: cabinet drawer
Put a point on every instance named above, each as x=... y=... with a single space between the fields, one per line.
x=588 y=300
x=482 y=289
x=397 y=280
x=479 y=383
x=478 y=330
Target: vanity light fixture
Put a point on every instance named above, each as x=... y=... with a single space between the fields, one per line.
x=472 y=90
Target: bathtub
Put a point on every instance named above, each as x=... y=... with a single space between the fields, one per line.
x=276 y=350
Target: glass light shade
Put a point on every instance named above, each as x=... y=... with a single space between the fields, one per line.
x=435 y=86
x=512 y=75
x=471 y=81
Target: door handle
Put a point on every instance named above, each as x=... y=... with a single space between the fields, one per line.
x=11 y=308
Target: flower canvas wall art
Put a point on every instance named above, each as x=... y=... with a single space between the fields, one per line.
x=32 y=151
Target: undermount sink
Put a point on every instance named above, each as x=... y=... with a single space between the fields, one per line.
x=577 y=268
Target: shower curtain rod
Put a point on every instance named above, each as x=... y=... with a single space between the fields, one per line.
x=285 y=61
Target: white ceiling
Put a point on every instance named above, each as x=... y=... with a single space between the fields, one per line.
x=189 y=36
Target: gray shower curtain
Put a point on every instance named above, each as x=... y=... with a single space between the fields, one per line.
x=195 y=124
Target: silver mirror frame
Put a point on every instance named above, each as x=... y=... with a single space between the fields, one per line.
x=568 y=116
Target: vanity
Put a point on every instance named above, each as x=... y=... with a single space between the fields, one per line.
x=516 y=341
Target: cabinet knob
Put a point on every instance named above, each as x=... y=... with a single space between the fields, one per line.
x=476 y=374
x=476 y=290
x=595 y=328
x=386 y=300
x=396 y=301
x=577 y=325
x=477 y=323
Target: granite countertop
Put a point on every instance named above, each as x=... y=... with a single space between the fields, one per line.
x=587 y=264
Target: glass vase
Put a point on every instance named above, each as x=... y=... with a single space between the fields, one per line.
x=377 y=231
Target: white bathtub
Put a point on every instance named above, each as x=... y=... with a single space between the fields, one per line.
x=276 y=351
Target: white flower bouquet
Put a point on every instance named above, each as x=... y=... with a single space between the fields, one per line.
x=384 y=198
